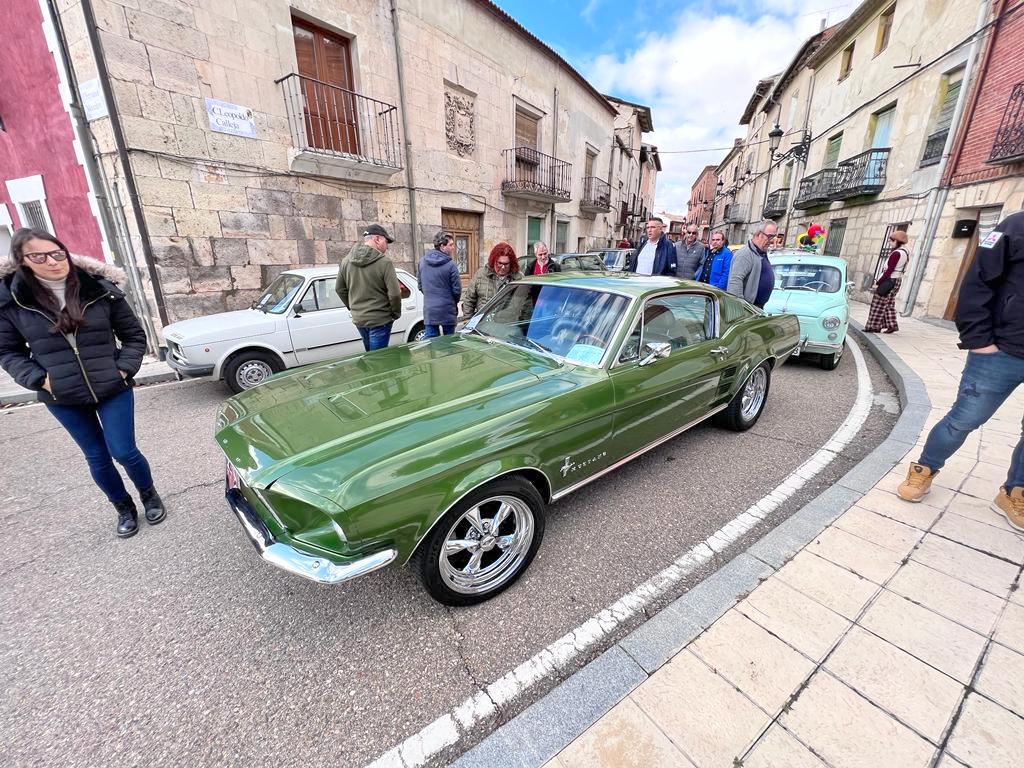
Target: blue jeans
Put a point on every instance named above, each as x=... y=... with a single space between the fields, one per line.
x=430 y=331
x=376 y=337
x=984 y=386
x=104 y=432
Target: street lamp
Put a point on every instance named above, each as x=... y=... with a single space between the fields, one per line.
x=774 y=139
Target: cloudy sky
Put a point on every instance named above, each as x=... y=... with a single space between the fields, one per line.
x=694 y=62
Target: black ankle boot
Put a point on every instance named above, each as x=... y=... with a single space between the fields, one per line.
x=127 y=518
x=155 y=510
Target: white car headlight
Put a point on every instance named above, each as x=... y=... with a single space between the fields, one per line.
x=831 y=322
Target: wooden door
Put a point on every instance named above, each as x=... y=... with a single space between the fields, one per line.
x=465 y=228
x=330 y=105
x=988 y=218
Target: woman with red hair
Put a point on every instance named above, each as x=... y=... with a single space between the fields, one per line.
x=502 y=268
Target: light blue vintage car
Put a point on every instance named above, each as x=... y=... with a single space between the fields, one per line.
x=814 y=288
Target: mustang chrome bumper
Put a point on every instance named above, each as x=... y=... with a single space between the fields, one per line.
x=313 y=567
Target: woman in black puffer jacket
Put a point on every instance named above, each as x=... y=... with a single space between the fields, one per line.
x=67 y=332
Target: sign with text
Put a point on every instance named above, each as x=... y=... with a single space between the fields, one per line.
x=230 y=118
x=93 y=103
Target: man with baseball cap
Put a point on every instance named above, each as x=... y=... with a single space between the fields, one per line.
x=368 y=286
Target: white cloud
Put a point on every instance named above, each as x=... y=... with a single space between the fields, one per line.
x=587 y=14
x=697 y=77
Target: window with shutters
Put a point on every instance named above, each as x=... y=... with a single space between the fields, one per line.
x=846 y=64
x=949 y=93
x=33 y=215
x=832 y=151
x=884 y=29
x=588 y=165
x=527 y=140
x=834 y=238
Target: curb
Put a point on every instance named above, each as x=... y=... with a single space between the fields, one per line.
x=549 y=725
x=29 y=396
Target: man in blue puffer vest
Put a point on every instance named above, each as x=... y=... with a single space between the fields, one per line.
x=657 y=255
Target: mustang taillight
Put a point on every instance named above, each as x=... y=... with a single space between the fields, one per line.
x=231 y=476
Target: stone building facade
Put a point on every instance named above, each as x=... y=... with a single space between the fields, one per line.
x=698 y=209
x=249 y=136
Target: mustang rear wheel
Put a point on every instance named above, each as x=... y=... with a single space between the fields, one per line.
x=745 y=408
x=483 y=544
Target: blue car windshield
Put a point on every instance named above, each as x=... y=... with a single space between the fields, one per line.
x=574 y=324
x=279 y=294
x=820 y=278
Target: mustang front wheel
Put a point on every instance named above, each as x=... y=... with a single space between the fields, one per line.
x=483 y=544
x=745 y=408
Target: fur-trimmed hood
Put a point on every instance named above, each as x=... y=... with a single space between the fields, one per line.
x=94 y=267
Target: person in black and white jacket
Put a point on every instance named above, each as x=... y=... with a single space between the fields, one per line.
x=68 y=332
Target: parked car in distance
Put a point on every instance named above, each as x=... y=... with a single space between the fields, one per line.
x=614 y=259
x=569 y=262
x=297 y=320
x=445 y=453
x=814 y=288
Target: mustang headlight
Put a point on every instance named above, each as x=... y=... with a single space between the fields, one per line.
x=831 y=322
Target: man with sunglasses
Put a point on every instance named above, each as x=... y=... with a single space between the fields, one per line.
x=689 y=253
x=751 y=276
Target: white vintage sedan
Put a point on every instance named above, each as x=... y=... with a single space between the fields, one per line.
x=298 y=319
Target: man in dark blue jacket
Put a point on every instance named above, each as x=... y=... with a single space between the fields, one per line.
x=438 y=279
x=657 y=255
x=990 y=319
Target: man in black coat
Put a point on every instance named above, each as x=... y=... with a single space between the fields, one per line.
x=990 y=319
x=657 y=255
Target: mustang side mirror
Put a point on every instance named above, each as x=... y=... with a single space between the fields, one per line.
x=654 y=350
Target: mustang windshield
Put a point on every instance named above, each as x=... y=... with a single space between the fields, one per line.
x=574 y=324
x=277 y=297
x=808 y=277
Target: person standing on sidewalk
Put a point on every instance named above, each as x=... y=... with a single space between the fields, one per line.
x=67 y=332
x=990 y=319
x=439 y=281
x=882 y=312
x=368 y=285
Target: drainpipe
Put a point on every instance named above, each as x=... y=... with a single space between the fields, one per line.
x=92 y=30
x=937 y=198
x=409 y=179
x=554 y=153
x=100 y=188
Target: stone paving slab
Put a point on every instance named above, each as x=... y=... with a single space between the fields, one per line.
x=863 y=631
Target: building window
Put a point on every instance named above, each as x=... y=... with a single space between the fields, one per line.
x=846 y=65
x=949 y=93
x=834 y=239
x=527 y=129
x=561 y=236
x=33 y=214
x=330 y=105
x=884 y=29
x=6 y=229
x=533 y=225
x=588 y=164
x=1008 y=145
x=881 y=128
x=832 y=151
x=29 y=198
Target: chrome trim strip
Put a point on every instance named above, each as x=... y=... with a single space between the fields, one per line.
x=645 y=449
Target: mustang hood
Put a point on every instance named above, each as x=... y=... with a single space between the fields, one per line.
x=221 y=327
x=806 y=303
x=380 y=402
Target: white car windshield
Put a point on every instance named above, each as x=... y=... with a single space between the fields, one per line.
x=573 y=324
x=821 y=278
x=279 y=294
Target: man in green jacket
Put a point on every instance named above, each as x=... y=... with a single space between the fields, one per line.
x=368 y=286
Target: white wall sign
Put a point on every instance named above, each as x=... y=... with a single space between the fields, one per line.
x=93 y=102
x=230 y=118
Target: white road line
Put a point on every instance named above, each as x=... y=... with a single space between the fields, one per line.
x=419 y=748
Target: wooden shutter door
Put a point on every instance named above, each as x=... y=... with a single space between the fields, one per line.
x=331 y=106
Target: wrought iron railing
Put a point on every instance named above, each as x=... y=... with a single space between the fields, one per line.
x=775 y=205
x=597 y=194
x=815 y=189
x=327 y=119
x=530 y=172
x=862 y=174
x=735 y=214
x=933 y=148
x=1008 y=146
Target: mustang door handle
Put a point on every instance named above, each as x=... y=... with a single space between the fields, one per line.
x=720 y=351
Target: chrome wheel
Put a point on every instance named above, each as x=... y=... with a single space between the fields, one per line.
x=753 y=394
x=253 y=372
x=487 y=545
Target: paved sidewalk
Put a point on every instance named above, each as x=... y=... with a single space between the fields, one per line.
x=152 y=371
x=894 y=638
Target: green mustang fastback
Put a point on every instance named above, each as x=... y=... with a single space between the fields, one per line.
x=444 y=453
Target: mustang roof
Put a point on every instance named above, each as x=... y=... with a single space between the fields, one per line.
x=627 y=283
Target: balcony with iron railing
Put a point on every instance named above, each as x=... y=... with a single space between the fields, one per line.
x=776 y=203
x=1008 y=146
x=933 y=148
x=339 y=133
x=735 y=214
x=533 y=175
x=597 y=195
x=815 y=189
x=862 y=174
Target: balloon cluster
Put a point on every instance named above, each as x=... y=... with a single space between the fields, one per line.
x=812 y=238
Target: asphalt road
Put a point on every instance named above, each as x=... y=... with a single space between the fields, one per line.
x=180 y=647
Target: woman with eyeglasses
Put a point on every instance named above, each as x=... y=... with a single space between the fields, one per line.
x=882 y=312
x=67 y=332
x=502 y=268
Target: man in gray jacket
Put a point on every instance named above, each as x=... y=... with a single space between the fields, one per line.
x=689 y=253
x=751 y=276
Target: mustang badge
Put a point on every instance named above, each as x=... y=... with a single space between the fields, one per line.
x=574 y=466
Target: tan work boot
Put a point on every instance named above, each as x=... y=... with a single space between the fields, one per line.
x=1011 y=505
x=918 y=483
